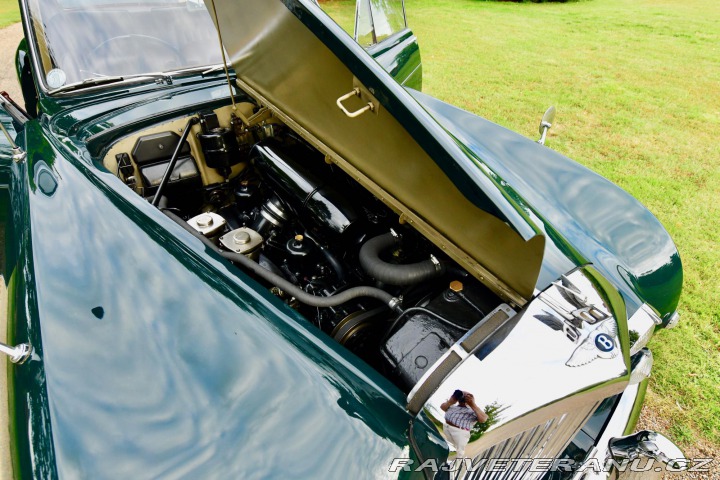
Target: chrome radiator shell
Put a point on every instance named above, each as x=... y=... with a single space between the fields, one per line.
x=539 y=376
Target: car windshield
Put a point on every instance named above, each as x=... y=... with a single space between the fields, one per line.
x=81 y=39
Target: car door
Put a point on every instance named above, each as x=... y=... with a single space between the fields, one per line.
x=381 y=28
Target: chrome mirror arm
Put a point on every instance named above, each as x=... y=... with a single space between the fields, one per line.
x=545 y=124
x=545 y=127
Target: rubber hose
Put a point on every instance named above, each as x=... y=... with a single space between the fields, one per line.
x=286 y=286
x=393 y=274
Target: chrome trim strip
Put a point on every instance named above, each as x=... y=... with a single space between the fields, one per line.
x=409 y=75
x=458 y=350
x=673 y=321
x=642 y=364
x=642 y=324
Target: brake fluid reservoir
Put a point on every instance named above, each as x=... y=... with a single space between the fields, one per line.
x=209 y=224
x=243 y=240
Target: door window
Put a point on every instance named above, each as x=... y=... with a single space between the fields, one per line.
x=376 y=20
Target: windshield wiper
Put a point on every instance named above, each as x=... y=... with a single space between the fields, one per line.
x=159 y=77
x=88 y=82
x=204 y=69
x=215 y=68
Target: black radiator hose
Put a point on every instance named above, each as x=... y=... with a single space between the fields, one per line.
x=288 y=287
x=393 y=274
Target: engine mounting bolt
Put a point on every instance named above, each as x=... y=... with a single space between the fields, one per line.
x=456 y=286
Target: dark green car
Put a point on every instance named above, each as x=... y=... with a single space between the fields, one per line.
x=300 y=266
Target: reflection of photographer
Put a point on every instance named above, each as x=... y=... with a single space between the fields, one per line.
x=461 y=414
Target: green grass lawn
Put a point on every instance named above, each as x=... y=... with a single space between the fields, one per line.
x=637 y=87
x=9 y=12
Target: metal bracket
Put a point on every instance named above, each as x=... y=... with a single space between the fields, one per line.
x=18 y=154
x=164 y=80
x=18 y=354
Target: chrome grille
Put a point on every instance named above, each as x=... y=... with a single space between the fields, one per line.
x=546 y=440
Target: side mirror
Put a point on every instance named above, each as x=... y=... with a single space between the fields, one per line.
x=547 y=120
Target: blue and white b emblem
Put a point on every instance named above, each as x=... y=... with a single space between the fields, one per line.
x=601 y=342
x=604 y=342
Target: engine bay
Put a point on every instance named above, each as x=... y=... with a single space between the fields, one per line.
x=262 y=197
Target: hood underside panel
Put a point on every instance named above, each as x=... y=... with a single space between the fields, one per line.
x=299 y=62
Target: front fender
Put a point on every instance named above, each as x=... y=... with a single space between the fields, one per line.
x=161 y=359
x=582 y=212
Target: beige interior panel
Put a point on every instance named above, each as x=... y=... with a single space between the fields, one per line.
x=208 y=175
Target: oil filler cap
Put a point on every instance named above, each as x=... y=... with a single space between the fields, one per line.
x=456 y=286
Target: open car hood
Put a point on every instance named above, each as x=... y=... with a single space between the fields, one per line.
x=294 y=59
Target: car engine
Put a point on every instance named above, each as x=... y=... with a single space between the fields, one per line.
x=315 y=238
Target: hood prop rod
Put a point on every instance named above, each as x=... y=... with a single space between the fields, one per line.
x=173 y=161
x=222 y=52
